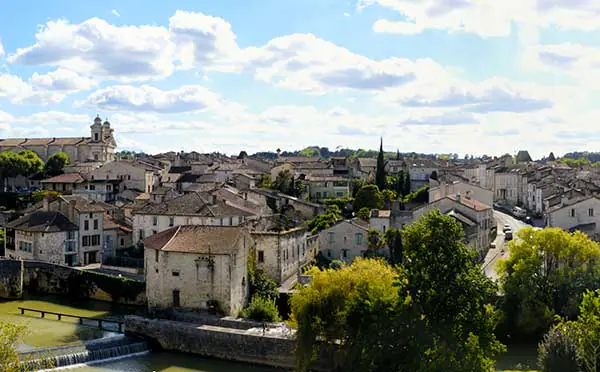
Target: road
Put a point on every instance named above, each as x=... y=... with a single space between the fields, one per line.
x=501 y=250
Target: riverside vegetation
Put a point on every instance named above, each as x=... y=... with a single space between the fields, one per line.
x=430 y=307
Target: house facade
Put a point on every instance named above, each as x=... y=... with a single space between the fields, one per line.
x=132 y=174
x=344 y=241
x=485 y=196
x=581 y=214
x=322 y=188
x=198 y=268
x=45 y=236
x=281 y=254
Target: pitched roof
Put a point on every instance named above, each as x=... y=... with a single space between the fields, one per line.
x=192 y=204
x=82 y=205
x=367 y=162
x=461 y=217
x=470 y=203
x=182 y=169
x=196 y=239
x=110 y=224
x=65 y=178
x=43 y=221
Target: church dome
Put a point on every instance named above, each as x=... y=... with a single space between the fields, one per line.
x=106 y=123
x=97 y=121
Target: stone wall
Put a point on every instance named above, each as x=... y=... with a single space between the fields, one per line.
x=17 y=277
x=222 y=343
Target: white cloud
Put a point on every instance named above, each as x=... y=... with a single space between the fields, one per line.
x=62 y=80
x=97 y=48
x=579 y=61
x=115 y=13
x=18 y=91
x=487 y=18
x=146 y=98
x=307 y=63
x=1 y=49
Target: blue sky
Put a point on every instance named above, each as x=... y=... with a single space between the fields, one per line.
x=464 y=76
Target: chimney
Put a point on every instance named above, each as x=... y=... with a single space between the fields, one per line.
x=71 y=213
x=45 y=204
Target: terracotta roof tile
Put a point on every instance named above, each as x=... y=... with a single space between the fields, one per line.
x=196 y=239
x=470 y=203
x=65 y=178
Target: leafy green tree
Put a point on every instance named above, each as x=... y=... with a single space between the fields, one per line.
x=265 y=182
x=380 y=174
x=375 y=242
x=368 y=196
x=344 y=205
x=11 y=336
x=325 y=220
x=449 y=310
x=364 y=214
x=310 y=152
x=406 y=184
x=30 y=162
x=419 y=196
x=261 y=309
x=56 y=164
x=357 y=183
x=348 y=306
x=285 y=183
x=546 y=274
x=389 y=196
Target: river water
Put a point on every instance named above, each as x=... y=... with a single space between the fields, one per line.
x=49 y=332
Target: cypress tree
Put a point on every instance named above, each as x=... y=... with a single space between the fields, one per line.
x=380 y=176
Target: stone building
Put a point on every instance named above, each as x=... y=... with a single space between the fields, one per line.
x=281 y=254
x=44 y=236
x=198 y=267
x=579 y=213
x=100 y=146
x=344 y=241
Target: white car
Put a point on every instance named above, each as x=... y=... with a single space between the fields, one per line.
x=493 y=245
x=506 y=227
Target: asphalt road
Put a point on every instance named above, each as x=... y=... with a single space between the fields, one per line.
x=501 y=250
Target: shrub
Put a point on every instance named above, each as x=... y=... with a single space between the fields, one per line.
x=558 y=351
x=261 y=310
x=263 y=286
x=336 y=264
x=364 y=214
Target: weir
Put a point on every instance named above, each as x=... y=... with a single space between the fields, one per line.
x=93 y=351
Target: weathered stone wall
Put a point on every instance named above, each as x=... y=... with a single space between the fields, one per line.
x=222 y=343
x=18 y=276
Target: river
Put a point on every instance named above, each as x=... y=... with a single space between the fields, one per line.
x=49 y=332
x=169 y=362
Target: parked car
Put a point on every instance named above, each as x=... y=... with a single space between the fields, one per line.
x=508 y=235
x=493 y=245
x=528 y=221
x=506 y=228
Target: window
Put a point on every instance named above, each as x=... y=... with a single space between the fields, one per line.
x=95 y=239
x=141 y=234
x=122 y=242
x=156 y=255
x=331 y=238
x=339 y=194
x=261 y=256
x=86 y=225
x=329 y=253
x=572 y=212
x=318 y=195
x=171 y=221
x=129 y=177
x=325 y=195
x=344 y=253
x=70 y=235
x=591 y=212
x=95 y=136
x=175 y=273
x=95 y=224
x=154 y=232
x=85 y=241
x=154 y=221
x=95 y=156
x=176 y=302
x=358 y=237
x=26 y=246
x=108 y=187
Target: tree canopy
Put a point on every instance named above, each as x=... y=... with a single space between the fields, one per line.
x=23 y=163
x=325 y=220
x=546 y=275
x=368 y=196
x=56 y=164
x=431 y=313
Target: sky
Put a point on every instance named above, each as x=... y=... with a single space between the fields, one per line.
x=432 y=76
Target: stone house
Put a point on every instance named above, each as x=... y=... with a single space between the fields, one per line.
x=363 y=168
x=476 y=217
x=243 y=180
x=394 y=166
x=133 y=174
x=116 y=236
x=100 y=146
x=321 y=188
x=162 y=193
x=100 y=190
x=582 y=213
x=340 y=166
x=188 y=209
x=470 y=190
x=420 y=171
x=45 y=236
x=344 y=241
x=380 y=220
x=281 y=254
x=198 y=267
x=65 y=183
x=482 y=174
x=283 y=202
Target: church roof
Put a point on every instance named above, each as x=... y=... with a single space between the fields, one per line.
x=15 y=142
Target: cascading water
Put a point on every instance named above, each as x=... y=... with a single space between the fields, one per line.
x=99 y=350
